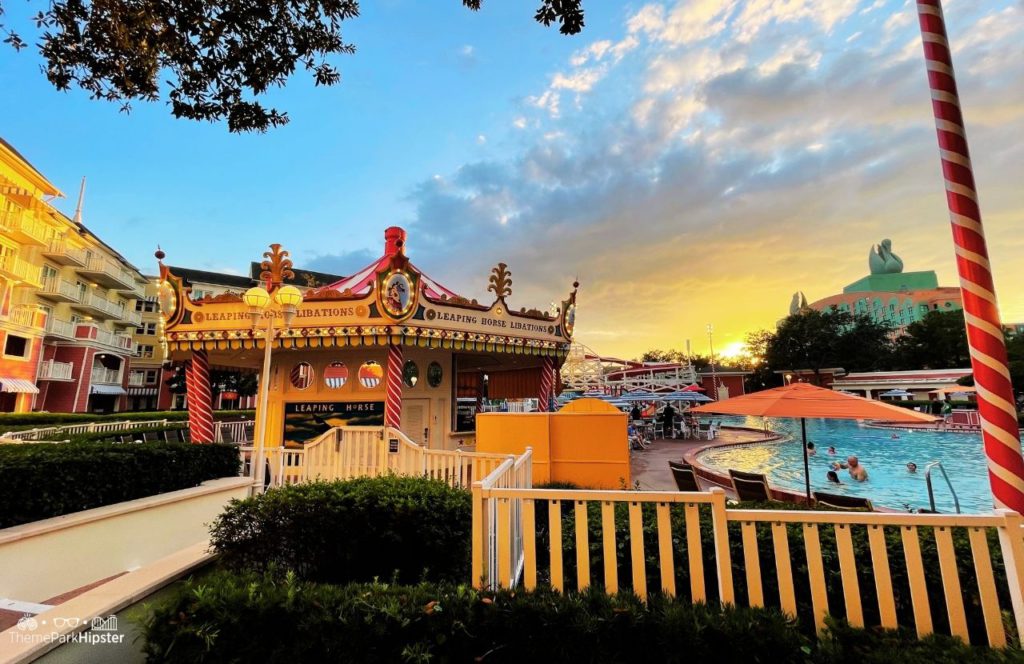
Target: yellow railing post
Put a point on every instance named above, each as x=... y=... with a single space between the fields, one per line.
x=1011 y=541
x=723 y=560
x=479 y=536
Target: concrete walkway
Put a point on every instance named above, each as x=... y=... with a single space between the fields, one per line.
x=650 y=467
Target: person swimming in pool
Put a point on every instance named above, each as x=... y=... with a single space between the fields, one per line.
x=911 y=467
x=810 y=449
x=832 y=450
x=857 y=471
x=833 y=477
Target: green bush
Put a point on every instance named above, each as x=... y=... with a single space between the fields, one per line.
x=247 y=617
x=13 y=421
x=42 y=480
x=355 y=530
x=830 y=559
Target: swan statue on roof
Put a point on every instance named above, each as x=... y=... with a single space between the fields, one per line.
x=798 y=303
x=881 y=260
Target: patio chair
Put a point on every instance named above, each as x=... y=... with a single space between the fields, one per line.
x=183 y=436
x=227 y=435
x=124 y=439
x=750 y=486
x=168 y=436
x=659 y=429
x=841 y=502
x=151 y=437
x=685 y=477
x=704 y=431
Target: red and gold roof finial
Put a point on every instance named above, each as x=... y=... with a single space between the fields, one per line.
x=500 y=281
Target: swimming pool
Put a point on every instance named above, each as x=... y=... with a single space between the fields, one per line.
x=885 y=458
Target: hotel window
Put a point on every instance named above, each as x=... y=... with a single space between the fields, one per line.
x=151 y=375
x=16 y=346
x=49 y=274
x=145 y=351
x=146 y=328
x=149 y=306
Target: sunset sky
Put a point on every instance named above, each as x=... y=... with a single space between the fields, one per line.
x=693 y=162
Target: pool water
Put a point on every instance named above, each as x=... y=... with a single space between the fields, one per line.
x=885 y=458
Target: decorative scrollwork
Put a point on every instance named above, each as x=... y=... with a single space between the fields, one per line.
x=501 y=281
x=277 y=267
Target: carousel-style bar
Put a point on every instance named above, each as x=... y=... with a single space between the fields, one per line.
x=387 y=346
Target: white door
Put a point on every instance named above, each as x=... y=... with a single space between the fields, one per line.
x=416 y=420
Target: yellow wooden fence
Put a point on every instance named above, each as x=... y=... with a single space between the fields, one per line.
x=495 y=557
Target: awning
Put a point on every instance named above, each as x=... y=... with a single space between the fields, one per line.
x=19 y=385
x=106 y=389
x=142 y=391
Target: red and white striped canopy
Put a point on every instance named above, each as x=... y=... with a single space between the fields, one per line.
x=361 y=282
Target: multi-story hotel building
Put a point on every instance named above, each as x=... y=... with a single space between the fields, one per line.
x=67 y=303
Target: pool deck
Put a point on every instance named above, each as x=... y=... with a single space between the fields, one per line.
x=650 y=467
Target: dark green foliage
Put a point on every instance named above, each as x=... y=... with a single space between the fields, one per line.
x=12 y=421
x=250 y=618
x=830 y=560
x=273 y=618
x=356 y=530
x=132 y=434
x=42 y=480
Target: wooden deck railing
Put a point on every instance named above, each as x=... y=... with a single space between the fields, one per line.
x=348 y=452
x=868 y=567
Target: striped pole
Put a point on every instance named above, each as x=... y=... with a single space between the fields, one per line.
x=393 y=388
x=984 y=330
x=547 y=384
x=200 y=397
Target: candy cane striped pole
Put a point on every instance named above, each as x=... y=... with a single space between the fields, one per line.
x=547 y=384
x=393 y=388
x=200 y=397
x=984 y=330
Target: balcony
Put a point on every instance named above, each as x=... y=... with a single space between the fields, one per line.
x=131 y=318
x=62 y=329
x=106 y=376
x=26 y=315
x=99 y=306
x=60 y=251
x=52 y=370
x=20 y=270
x=24 y=228
x=108 y=273
x=137 y=379
x=59 y=290
x=122 y=343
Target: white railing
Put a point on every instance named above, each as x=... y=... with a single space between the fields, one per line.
x=233 y=432
x=60 y=328
x=137 y=379
x=62 y=287
x=501 y=522
x=60 y=247
x=348 y=452
x=114 y=309
x=104 y=375
x=16 y=222
x=63 y=432
x=120 y=341
x=98 y=263
x=53 y=370
x=23 y=314
x=130 y=317
x=20 y=269
x=700 y=524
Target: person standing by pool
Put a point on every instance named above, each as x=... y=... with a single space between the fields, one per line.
x=636 y=413
x=947 y=411
x=857 y=471
x=668 y=421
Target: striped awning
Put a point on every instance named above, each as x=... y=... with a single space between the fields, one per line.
x=19 y=385
x=106 y=389
x=142 y=391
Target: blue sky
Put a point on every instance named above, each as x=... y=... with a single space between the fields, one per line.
x=693 y=161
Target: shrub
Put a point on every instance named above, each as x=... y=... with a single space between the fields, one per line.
x=355 y=530
x=42 y=480
x=248 y=617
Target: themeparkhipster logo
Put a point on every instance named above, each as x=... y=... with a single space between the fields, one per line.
x=91 y=631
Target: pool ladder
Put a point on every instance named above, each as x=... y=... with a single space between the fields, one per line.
x=931 y=493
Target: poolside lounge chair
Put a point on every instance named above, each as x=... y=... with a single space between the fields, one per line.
x=705 y=431
x=682 y=473
x=750 y=486
x=841 y=502
x=183 y=436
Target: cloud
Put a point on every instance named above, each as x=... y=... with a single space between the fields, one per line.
x=344 y=263
x=721 y=172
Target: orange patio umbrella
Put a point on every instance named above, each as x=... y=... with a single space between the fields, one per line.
x=804 y=400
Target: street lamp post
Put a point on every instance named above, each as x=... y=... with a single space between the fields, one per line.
x=711 y=349
x=259 y=300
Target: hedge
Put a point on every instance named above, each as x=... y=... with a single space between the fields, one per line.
x=9 y=421
x=268 y=618
x=43 y=480
x=356 y=530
